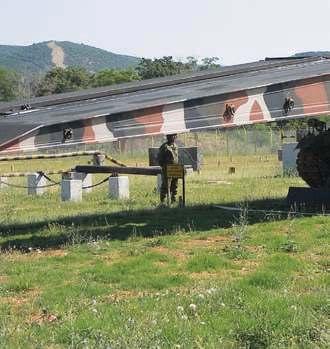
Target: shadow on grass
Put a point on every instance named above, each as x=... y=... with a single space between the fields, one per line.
x=125 y=224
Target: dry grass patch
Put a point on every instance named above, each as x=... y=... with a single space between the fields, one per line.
x=246 y=266
x=21 y=299
x=212 y=276
x=210 y=241
x=180 y=255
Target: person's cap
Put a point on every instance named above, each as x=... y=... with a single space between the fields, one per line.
x=171 y=134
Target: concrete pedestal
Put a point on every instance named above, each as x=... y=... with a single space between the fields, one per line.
x=85 y=178
x=71 y=190
x=119 y=187
x=35 y=182
x=88 y=181
x=3 y=181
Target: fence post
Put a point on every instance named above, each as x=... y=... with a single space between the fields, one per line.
x=35 y=183
x=3 y=181
x=119 y=187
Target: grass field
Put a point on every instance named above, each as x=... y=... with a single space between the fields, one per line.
x=109 y=274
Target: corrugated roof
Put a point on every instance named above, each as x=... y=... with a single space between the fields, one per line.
x=126 y=97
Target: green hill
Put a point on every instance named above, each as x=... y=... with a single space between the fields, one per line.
x=41 y=57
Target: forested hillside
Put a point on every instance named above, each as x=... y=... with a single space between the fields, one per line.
x=41 y=57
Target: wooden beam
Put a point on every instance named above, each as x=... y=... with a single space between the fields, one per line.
x=143 y=171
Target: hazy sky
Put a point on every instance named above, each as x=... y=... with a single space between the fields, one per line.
x=234 y=30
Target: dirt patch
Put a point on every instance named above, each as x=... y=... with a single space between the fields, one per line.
x=246 y=266
x=211 y=241
x=206 y=275
x=178 y=254
x=19 y=300
x=191 y=244
x=57 y=54
x=111 y=257
x=3 y=279
x=43 y=318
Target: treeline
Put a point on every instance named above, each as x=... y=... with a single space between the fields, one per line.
x=59 y=80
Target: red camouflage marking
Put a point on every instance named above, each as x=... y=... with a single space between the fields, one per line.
x=313 y=98
x=11 y=146
x=256 y=113
x=151 y=119
x=88 y=134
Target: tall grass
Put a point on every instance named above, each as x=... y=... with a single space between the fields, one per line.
x=104 y=273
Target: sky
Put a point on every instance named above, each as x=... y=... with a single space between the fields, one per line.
x=236 y=31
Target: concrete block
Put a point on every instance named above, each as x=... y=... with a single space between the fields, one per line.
x=71 y=190
x=3 y=181
x=289 y=158
x=119 y=187
x=85 y=178
x=35 y=183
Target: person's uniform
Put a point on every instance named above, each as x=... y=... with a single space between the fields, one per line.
x=167 y=155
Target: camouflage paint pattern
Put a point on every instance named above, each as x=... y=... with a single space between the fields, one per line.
x=258 y=105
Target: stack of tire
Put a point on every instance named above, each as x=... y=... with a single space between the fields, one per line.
x=313 y=161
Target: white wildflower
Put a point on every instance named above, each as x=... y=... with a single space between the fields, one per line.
x=192 y=308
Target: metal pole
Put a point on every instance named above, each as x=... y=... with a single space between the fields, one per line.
x=183 y=190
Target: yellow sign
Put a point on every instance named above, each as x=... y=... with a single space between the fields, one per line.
x=176 y=171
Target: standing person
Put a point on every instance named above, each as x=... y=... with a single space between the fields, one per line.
x=168 y=155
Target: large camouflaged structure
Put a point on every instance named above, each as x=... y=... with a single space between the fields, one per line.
x=250 y=93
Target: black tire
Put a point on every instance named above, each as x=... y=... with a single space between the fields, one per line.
x=313 y=160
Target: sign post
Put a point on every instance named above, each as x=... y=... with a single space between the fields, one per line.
x=176 y=171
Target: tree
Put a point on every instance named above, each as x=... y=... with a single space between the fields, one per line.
x=111 y=76
x=166 y=66
x=209 y=63
x=192 y=63
x=8 y=85
x=60 y=80
x=158 y=67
